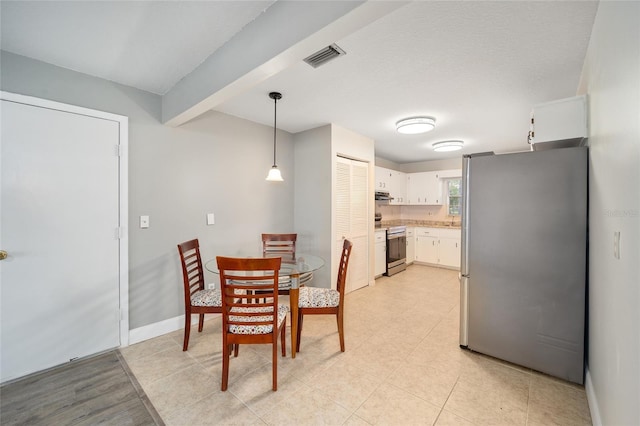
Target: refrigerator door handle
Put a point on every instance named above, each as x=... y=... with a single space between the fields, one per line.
x=464 y=311
x=464 y=255
x=464 y=252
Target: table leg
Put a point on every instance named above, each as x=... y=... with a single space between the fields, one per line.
x=293 y=302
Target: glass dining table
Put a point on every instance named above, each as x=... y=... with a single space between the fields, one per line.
x=292 y=274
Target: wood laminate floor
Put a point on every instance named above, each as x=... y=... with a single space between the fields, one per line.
x=98 y=390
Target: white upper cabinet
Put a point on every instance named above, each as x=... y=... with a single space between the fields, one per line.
x=383 y=179
x=424 y=188
x=398 y=189
x=562 y=122
x=415 y=181
x=393 y=182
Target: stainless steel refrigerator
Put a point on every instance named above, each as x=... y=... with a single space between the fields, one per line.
x=524 y=258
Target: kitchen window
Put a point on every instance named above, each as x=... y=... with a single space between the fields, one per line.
x=454 y=194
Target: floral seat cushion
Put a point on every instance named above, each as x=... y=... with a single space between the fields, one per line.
x=256 y=329
x=316 y=297
x=206 y=298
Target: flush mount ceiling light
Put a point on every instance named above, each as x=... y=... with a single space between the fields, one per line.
x=446 y=146
x=274 y=173
x=415 y=125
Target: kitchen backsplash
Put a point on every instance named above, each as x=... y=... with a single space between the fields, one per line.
x=415 y=213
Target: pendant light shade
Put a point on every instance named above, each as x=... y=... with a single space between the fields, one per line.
x=274 y=173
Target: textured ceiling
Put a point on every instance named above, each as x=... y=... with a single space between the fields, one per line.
x=477 y=66
x=149 y=45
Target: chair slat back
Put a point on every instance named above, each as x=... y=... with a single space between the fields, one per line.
x=247 y=284
x=342 y=268
x=279 y=245
x=192 y=272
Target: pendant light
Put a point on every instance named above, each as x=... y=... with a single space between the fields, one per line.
x=274 y=173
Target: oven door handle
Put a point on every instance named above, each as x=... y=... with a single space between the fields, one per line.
x=396 y=236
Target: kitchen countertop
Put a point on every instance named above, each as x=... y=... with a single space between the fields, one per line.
x=422 y=223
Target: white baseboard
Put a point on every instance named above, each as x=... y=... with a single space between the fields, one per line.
x=150 y=331
x=593 y=401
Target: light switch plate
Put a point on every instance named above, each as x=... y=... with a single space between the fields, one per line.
x=144 y=222
x=210 y=219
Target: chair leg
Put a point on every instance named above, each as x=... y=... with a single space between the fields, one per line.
x=225 y=364
x=187 y=331
x=283 y=342
x=340 y=319
x=299 y=332
x=200 y=322
x=274 y=362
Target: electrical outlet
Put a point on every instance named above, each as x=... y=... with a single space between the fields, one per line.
x=616 y=244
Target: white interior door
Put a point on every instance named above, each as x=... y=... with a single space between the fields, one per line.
x=352 y=178
x=59 y=224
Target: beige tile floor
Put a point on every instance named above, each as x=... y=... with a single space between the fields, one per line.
x=402 y=366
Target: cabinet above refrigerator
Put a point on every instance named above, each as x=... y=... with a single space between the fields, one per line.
x=559 y=124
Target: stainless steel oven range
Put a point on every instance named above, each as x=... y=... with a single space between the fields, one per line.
x=396 y=249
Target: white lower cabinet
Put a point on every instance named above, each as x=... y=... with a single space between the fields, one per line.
x=438 y=246
x=411 y=245
x=380 y=253
x=426 y=249
x=449 y=252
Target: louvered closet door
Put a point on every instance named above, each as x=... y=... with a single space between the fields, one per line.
x=352 y=212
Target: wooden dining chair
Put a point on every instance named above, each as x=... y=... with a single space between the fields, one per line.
x=247 y=319
x=323 y=301
x=197 y=298
x=279 y=245
x=283 y=246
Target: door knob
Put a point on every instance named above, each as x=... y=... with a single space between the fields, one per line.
x=3 y=254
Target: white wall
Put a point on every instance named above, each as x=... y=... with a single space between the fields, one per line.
x=421 y=166
x=214 y=164
x=433 y=165
x=611 y=77
x=387 y=164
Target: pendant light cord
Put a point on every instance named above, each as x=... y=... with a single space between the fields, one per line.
x=275 y=116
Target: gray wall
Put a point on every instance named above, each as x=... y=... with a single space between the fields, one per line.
x=213 y=164
x=611 y=78
x=312 y=211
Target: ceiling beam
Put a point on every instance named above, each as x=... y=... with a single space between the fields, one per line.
x=285 y=34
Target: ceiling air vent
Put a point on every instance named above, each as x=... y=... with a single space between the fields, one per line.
x=323 y=56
